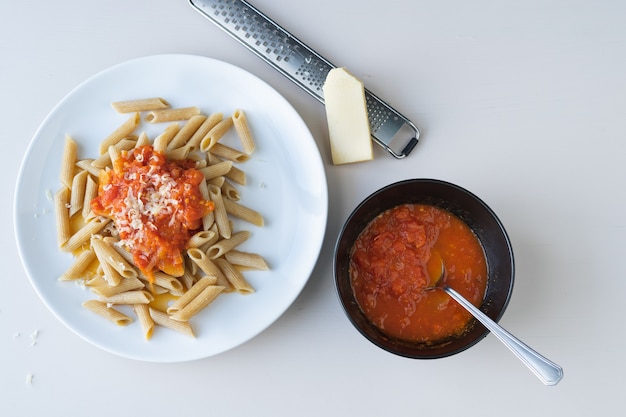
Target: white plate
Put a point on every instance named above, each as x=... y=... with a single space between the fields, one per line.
x=286 y=183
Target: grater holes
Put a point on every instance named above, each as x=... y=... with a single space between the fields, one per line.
x=378 y=114
x=312 y=73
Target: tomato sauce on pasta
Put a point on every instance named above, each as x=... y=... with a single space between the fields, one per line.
x=399 y=255
x=156 y=206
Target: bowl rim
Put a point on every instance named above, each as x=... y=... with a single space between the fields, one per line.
x=400 y=347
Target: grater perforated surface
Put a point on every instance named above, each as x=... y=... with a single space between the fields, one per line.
x=303 y=66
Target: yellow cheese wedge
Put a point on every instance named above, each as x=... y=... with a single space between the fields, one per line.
x=346 y=112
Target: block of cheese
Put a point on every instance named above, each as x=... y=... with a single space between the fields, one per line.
x=346 y=112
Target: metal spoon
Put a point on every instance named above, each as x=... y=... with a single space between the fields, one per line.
x=547 y=371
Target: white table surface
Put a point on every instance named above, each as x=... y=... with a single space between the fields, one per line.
x=523 y=103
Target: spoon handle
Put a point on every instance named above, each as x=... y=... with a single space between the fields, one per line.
x=547 y=371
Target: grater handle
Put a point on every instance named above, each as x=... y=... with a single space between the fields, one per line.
x=305 y=67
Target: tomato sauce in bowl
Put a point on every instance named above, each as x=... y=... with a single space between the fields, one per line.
x=398 y=257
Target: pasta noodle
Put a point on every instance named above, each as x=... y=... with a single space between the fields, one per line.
x=83 y=234
x=86 y=165
x=208 y=267
x=81 y=263
x=112 y=257
x=198 y=303
x=102 y=288
x=103 y=258
x=221 y=217
x=250 y=260
x=215 y=134
x=62 y=211
x=77 y=192
x=193 y=292
x=163 y=319
x=230 y=192
x=243 y=212
x=234 y=276
x=243 y=130
x=120 y=133
x=139 y=105
x=186 y=132
x=205 y=128
x=142 y=311
x=108 y=313
x=226 y=152
x=91 y=190
x=217 y=170
x=129 y=297
x=237 y=175
x=161 y=141
x=68 y=160
x=225 y=245
x=171 y=115
x=104 y=160
x=201 y=238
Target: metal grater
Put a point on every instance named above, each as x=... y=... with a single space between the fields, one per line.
x=305 y=67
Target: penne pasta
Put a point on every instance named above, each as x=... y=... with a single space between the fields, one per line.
x=178 y=154
x=194 y=142
x=209 y=243
x=208 y=267
x=112 y=257
x=218 y=182
x=242 y=128
x=246 y=259
x=165 y=281
x=142 y=311
x=70 y=150
x=77 y=192
x=201 y=238
x=160 y=142
x=124 y=130
x=242 y=212
x=162 y=319
x=221 y=217
x=223 y=246
x=236 y=279
x=62 y=216
x=79 y=266
x=85 y=164
x=209 y=219
x=186 y=132
x=108 y=313
x=215 y=134
x=114 y=154
x=110 y=274
x=91 y=191
x=198 y=303
x=102 y=288
x=83 y=234
x=140 y=105
x=142 y=140
x=237 y=175
x=229 y=191
x=129 y=297
x=104 y=160
x=193 y=292
x=171 y=115
x=217 y=170
x=229 y=153
x=189 y=278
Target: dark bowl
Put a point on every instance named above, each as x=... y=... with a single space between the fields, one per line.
x=469 y=208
